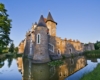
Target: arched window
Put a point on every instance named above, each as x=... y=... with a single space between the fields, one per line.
x=51 y=47
x=70 y=50
x=38 y=38
x=30 y=46
x=59 y=52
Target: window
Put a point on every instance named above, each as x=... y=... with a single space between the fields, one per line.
x=59 y=52
x=58 y=43
x=31 y=47
x=51 y=47
x=71 y=61
x=38 y=38
x=70 y=50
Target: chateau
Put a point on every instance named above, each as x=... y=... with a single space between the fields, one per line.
x=41 y=43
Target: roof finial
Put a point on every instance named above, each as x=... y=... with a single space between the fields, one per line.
x=49 y=10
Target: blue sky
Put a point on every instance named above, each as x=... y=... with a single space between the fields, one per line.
x=77 y=19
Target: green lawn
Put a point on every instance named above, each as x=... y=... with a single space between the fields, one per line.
x=94 y=75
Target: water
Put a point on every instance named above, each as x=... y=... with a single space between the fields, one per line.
x=24 y=69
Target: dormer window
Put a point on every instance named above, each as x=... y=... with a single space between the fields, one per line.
x=38 y=38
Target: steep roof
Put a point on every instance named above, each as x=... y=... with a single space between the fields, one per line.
x=41 y=22
x=50 y=18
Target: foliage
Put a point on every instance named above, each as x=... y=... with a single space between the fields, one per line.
x=5 y=26
x=63 y=57
x=10 y=61
x=19 y=55
x=72 y=55
x=97 y=45
x=94 y=75
x=93 y=53
x=16 y=49
x=5 y=50
x=11 y=49
x=55 y=63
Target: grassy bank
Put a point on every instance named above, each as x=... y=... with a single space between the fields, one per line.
x=94 y=75
x=92 y=54
x=8 y=55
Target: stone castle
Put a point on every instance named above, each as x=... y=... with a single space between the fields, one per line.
x=41 y=43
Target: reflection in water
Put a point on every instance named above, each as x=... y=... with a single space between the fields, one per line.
x=9 y=61
x=19 y=64
x=32 y=71
x=1 y=63
x=94 y=60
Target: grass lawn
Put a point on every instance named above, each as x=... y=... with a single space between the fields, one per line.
x=94 y=75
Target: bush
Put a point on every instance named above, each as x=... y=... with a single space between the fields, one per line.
x=63 y=57
x=93 y=53
x=55 y=63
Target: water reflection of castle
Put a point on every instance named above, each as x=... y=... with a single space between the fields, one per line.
x=42 y=43
x=32 y=71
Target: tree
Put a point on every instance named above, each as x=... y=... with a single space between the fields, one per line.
x=11 y=49
x=5 y=26
x=16 y=49
x=97 y=45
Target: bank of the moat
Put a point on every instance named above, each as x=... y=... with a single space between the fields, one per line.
x=23 y=69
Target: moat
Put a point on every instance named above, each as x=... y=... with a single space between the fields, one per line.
x=23 y=69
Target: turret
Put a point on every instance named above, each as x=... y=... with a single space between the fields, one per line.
x=33 y=31
x=33 y=26
x=41 y=54
x=51 y=24
x=27 y=46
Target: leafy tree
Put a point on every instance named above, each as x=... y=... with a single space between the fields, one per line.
x=97 y=45
x=5 y=26
x=16 y=49
x=11 y=49
x=10 y=62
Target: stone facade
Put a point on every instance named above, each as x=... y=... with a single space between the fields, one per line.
x=41 y=43
x=89 y=47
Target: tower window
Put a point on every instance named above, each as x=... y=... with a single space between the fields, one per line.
x=51 y=47
x=38 y=38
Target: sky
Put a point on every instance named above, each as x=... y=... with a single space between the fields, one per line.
x=77 y=19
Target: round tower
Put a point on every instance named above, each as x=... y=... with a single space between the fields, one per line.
x=27 y=44
x=41 y=54
x=51 y=24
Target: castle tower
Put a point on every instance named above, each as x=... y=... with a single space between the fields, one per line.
x=51 y=24
x=32 y=31
x=41 y=54
x=27 y=45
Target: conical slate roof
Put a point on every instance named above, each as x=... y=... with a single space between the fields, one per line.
x=50 y=17
x=41 y=22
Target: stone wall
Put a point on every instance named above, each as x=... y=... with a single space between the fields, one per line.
x=41 y=50
x=89 y=47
